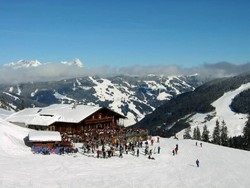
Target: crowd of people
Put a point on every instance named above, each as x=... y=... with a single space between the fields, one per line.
x=100 y=149
x=110 y=149
x=108 y=139
x=107 y=134
x=45 y=150
x=106 y=148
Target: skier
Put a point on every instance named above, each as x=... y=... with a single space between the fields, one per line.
x=197 y=163
x=159 y=149
x=126 y=150
x=137 y=152
x=146 y=150
x=173 y=152
x=98 y=153
x=176 y=150
x=104 y=154
x=152 y=142
x=120 y=151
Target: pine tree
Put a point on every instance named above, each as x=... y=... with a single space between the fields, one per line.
x=223 y=123
x=198 y=133
x=195 y=134
x=224 y=135
x=22 y=105
x=216 y=133
x=231 y=142
x=187 y=133
x=205 y=134
x=246 y=134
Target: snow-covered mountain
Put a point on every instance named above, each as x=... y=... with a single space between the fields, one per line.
x=226 y=101
x=133 y=97
x=76 y=62
x=23 y=64
x=35 y=63
x=220 y=167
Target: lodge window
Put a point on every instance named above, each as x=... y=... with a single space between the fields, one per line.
x=52 y=128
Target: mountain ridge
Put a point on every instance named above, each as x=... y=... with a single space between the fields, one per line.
x=174 y=115
x=131 y=96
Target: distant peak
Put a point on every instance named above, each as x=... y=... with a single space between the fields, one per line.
x=23 y=64
x=151 y=75
x=76 y=62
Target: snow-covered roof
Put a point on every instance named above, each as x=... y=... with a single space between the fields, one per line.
x=54 y=113
x=43 y=136
x=68 y=113
x=23 y=116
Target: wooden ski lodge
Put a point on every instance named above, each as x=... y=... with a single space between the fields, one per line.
x=78 y=122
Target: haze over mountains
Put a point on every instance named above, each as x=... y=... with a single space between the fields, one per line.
x=35 y=71
x=160 y=101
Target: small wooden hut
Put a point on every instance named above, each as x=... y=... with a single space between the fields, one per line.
x=44 y=138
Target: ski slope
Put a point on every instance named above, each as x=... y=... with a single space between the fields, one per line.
x=235 y=122
x=219 y=166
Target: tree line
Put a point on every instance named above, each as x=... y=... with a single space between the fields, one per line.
x=220 y=136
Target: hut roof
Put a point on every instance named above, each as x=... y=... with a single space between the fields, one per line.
x=44 y=136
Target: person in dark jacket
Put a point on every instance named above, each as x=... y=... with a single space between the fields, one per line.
x=197 y=163
x=149 y=157
x=159 y=149
x=173 y=152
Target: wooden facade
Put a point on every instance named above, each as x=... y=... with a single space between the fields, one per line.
x=101 y=119
x=48 y=144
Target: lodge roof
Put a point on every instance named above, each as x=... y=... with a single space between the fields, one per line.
x=44 y=136
x=55 y=113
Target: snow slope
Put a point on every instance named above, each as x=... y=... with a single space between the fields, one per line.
x=5 y=113
x=219 y=166
x=12 y=140
x=235 y=122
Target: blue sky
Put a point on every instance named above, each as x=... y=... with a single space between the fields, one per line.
x=120 y=33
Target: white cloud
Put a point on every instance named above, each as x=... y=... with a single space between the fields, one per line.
x=15 y=73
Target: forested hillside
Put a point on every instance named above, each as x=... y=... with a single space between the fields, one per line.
x=170 y=117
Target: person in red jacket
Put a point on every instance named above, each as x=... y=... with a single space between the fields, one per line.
x=176 y=150
x=98 y=153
